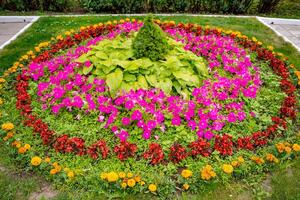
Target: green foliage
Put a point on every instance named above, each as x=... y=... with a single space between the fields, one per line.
x=159 y=6
x=27 y=5
x=267 y=6
x=150 y=41
x=114 y=61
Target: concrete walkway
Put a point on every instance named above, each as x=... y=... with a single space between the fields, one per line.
x=12 y=26
x=289 y=29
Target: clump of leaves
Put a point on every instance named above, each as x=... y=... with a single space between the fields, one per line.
x=113 y=61
x=150 y=41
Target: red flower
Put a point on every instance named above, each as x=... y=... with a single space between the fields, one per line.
x=200 y=147
x=125 y=150
x=99 y=146
x=177 y=153
x=224 y=144
x=155 y=153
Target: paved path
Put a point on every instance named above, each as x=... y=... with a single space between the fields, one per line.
x=289 y=29
x=12 y=26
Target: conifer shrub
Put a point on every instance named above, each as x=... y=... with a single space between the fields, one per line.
x=150 y=42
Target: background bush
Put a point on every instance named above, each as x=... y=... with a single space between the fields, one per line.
x=28 y=5
x=163 y=6
x=277 y=7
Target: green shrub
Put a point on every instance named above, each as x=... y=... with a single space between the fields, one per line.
x=267 y=6
x=166 y=6
x=27 y=5
x=150 y=41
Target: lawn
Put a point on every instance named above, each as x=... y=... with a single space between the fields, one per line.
x=279 y=183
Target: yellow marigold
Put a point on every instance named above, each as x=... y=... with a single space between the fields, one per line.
x=133 y=20
x=22 y=150
x=1 y=101
x=270 y=157
x=2 y=80
x=37 y=49
x=15 y=143
x=123 y=185
x=27 y=146
x=142 y=183
x=296 y=147
x=152 y=187
x=122 y=174
x=71 y=174
x=58 y=168
x=186 y=173
x=297 y=74
x=10 y=134
x=25 y=57
x=254 y=39
x=47 y=160
x=127 y=20
x=103 y=176
x=7 y=126
x=115 y=21
x=186 y=186
x=131 y=182
x=137 y=178
x=112 y=177
x=259 y=43
x=36 y=161
x=129 y=175
x=18 y=145
x=108 y=23
x=280 y=147
x=59 y=37
x=241 y=159
x=122 y=21
x=5 y=138
x=53 y=171
x=227 y=168
x=55 y=164
x=271 y=48
x=257 y=160
x=288 y=149
x=235 y=163
x=207 y=172
x=67 y=33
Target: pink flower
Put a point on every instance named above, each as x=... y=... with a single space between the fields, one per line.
x=123 y=135
x=208 y=135
x=129 y=105
x=125 y=121
x=231 y=117
x=136 y=115
x=176 y=121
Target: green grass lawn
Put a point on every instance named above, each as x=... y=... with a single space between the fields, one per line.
x=16 y=185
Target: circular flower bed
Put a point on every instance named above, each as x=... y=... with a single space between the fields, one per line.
x=85 y=109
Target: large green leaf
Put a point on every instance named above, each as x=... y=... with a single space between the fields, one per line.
x=101 y=55
x=87 y=70
x=187 y=76
x=129 y=77
x=201 y=67
x=142 y=82
x=166 y=85
x=114 y=80
x=152 y=80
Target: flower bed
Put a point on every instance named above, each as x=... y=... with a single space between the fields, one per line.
x=85 y=110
